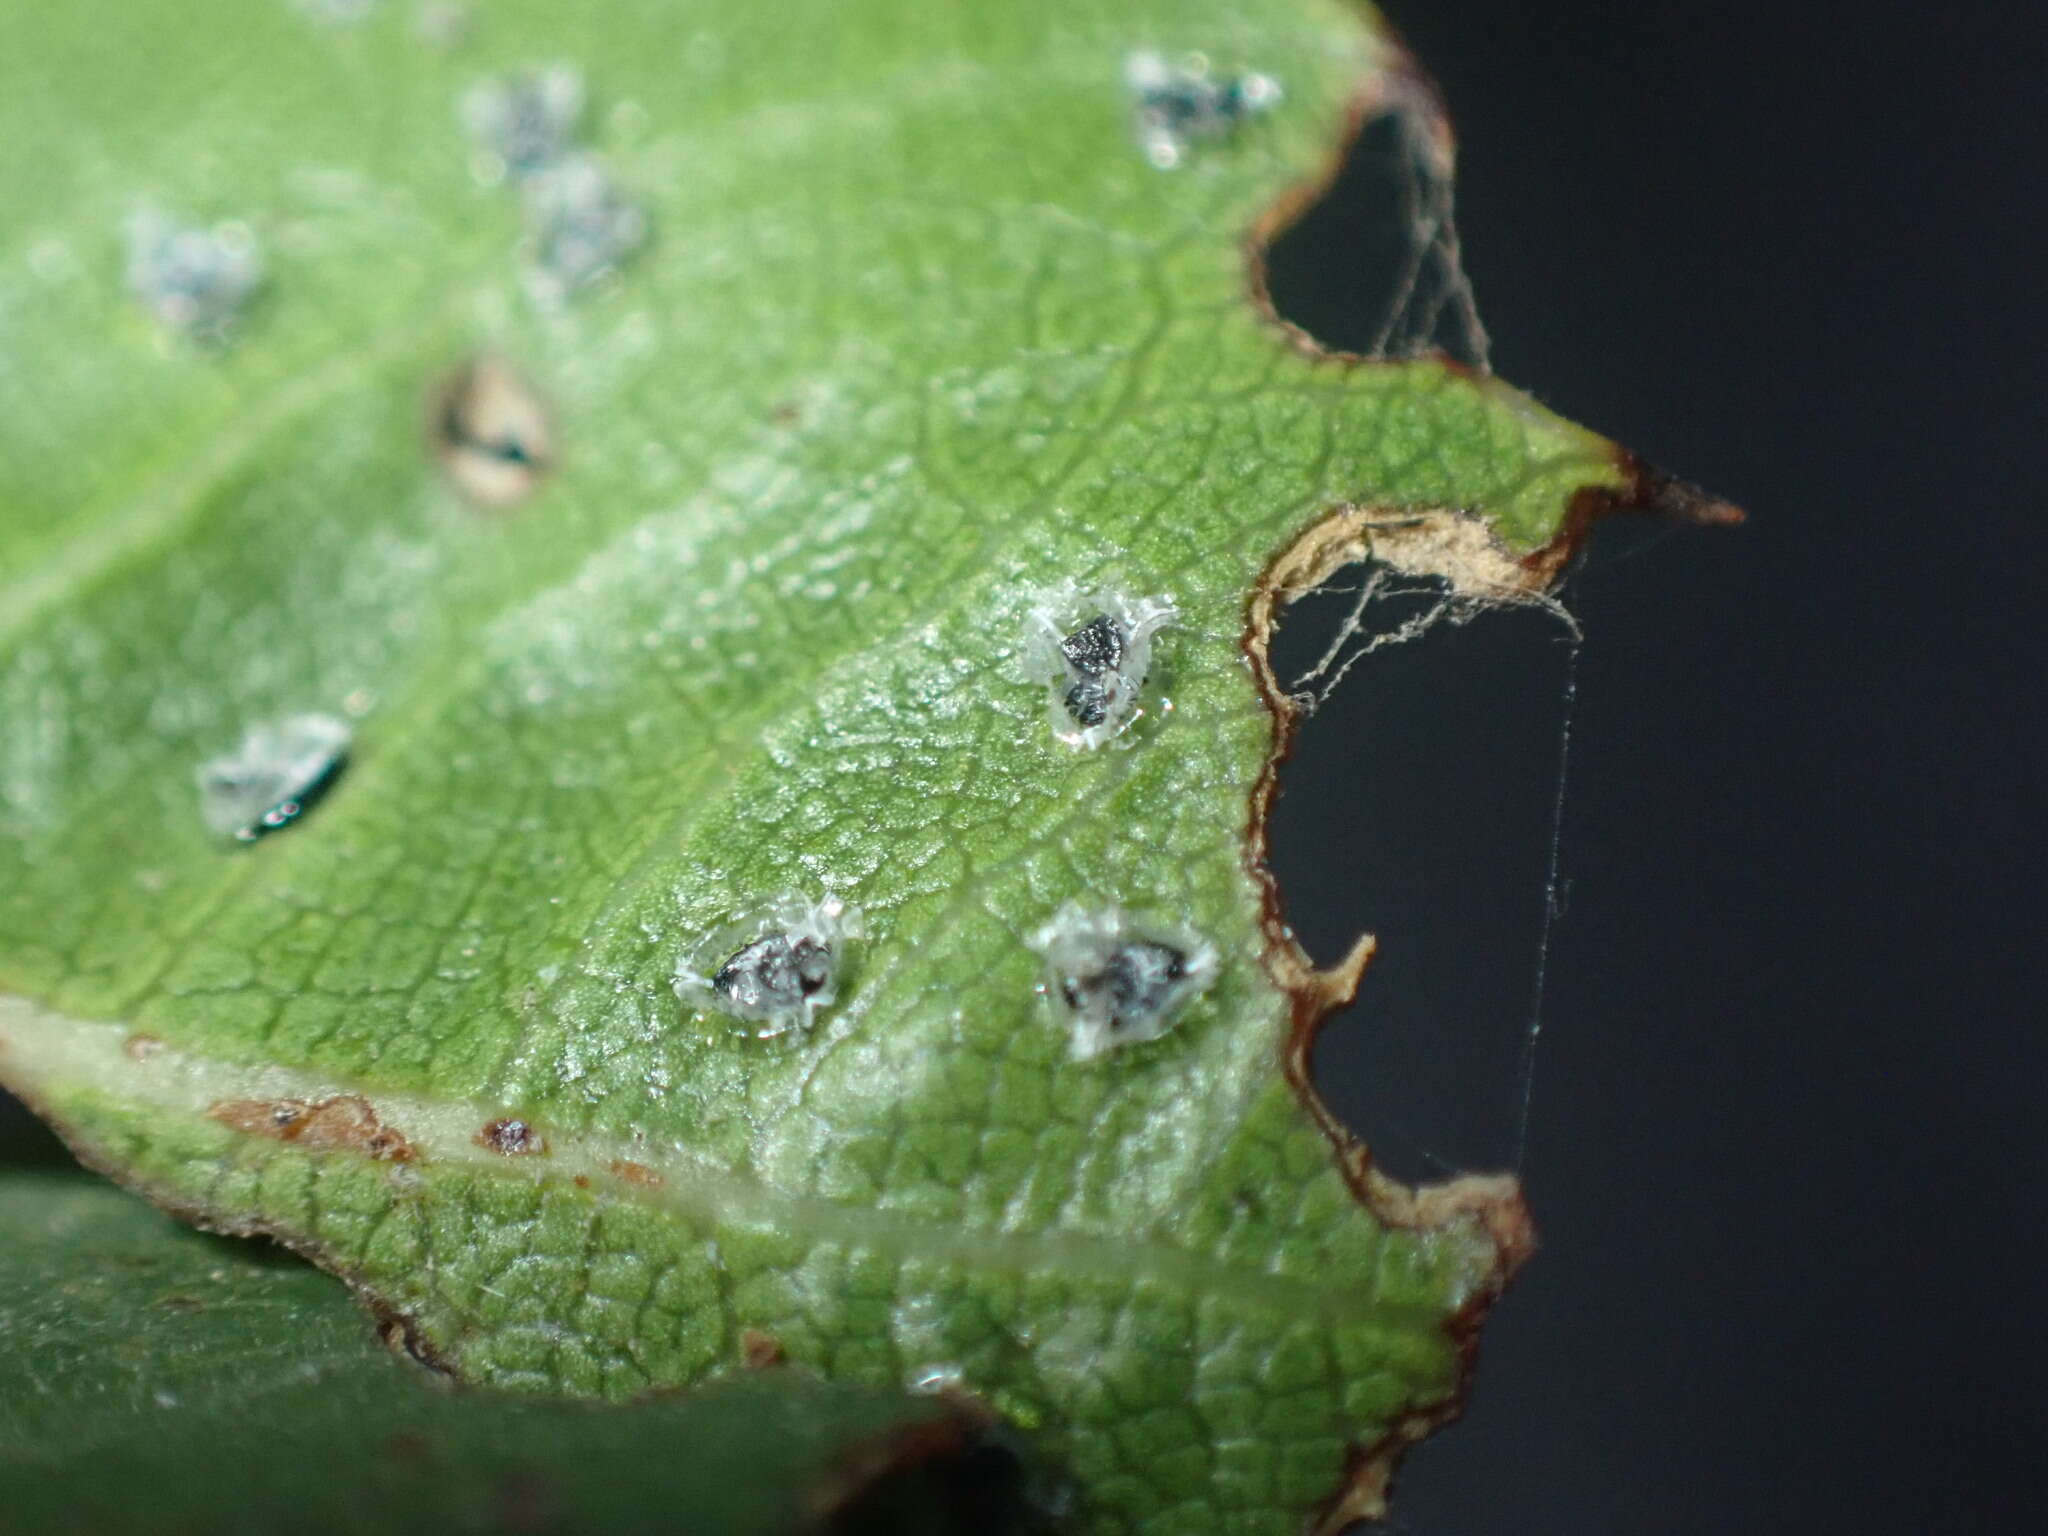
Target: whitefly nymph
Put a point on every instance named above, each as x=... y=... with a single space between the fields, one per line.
x=280 y=770
x=777 y=967
x=580 y=226
x=194 y=281
x=1093 y=652
x=1178 y=102
x=524 y=122
x=1115 y=980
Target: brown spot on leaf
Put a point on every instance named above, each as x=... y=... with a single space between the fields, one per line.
x=637 y=1173
x=343 y=1123
x=141 y=1047
x=581 y=1181
x=392 y=1326
x=512 y=1138
x=490 y=433
x=759 y=1350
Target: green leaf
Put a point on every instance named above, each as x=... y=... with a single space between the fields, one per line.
x=154 y=1379
x=709 y=583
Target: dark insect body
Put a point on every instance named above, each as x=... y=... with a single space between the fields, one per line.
x=1096 y=647
x=1094 y=654
x=286 y=811
x=1134 y=984
x=774 y=975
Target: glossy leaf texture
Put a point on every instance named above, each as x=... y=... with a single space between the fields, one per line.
x=658 y=433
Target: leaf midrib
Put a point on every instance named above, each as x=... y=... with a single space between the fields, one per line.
x=50 y=1051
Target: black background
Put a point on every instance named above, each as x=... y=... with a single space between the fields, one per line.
x=1783 y=1130
x=1785 y=1121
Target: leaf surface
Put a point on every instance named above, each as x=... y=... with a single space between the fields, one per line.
x=910 y=335
x=154 y=1379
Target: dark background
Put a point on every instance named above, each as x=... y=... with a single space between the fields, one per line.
x=1785 y=1121
x=1783 y=1128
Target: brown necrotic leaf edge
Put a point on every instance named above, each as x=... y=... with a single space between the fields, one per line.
x=1455 y=544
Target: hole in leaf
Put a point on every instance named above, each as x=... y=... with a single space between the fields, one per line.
x=1372 y=266
x=1420 y=804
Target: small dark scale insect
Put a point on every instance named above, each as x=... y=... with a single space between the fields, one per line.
x=774 y=968
x=1094 y=650
x=775 y=975
x=1096 y=647
x=1093 y=653
x=1190 y=105
x=528 y=120
x=1178 y=103
x=195 y=282
x=292 y=807
x=580 y=225
x=278 y=773
x=1133 y=985
x=1117 y=980
x=1088 y=702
